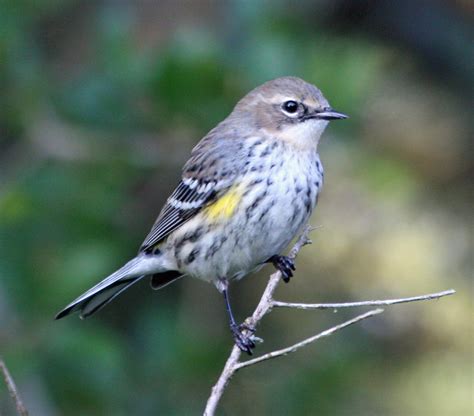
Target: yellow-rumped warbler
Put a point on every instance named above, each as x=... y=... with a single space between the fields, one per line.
x=250 y=185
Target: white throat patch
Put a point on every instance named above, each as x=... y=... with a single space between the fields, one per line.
x=303 y=135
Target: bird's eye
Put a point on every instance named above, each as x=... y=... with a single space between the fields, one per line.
x=290 y=107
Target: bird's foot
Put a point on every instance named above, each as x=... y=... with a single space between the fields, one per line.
x=247 y=326
x=285 y=265
x=243 y=337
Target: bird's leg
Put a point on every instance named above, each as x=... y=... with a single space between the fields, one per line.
x=242 y=340
x=284 y=264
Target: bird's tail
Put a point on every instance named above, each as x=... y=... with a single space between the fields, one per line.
x=105 y=291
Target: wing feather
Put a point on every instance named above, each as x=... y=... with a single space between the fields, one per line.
x=212 y=168
x=185 y=202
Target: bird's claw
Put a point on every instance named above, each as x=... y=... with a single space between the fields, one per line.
x=243 y=337
x=285 y=265
x=247 y=326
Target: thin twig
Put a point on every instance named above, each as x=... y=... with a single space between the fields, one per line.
x=267 y=303
x=298 y=345
x=309 y=306
x=21 y=409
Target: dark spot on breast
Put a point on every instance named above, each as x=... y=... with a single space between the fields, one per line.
x=192 y=256
x=177 y=249
x=246 y=192
x=265 y=152
x=264 y=212
x=252 y=148
x=216 y=245
x=194 y=236
x=255 y=204
x=293 y=217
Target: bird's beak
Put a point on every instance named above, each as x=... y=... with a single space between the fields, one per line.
x=330 y=114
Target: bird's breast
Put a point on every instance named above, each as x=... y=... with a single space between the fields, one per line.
x=255 y=219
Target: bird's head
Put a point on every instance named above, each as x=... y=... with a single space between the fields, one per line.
x=287 y=108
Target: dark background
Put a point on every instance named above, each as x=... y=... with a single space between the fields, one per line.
x=101 y=103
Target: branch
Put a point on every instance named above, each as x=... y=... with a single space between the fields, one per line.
x=263 y=307
x=267 y=303
x=310 y=306
x=298 y=345
x=21 y=409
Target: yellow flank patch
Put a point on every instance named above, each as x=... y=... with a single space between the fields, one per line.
x=225 y=206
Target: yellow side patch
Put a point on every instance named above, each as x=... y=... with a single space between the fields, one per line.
x=225 y=206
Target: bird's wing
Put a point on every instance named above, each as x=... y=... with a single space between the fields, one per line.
x=215 y=163
x=187 y=200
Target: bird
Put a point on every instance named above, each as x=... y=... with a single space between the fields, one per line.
x=248 y=188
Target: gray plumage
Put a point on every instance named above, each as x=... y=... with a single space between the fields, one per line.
x=250 y=184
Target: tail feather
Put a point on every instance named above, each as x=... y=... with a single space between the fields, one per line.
x=106 y=290
x=102 y=298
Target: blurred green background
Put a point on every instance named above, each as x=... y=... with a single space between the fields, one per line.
x=101 y=103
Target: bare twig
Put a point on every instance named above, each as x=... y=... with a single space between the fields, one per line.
x=298 y=345
x=267 y=303
x=262 y=308
x=309 y=306
x=21 y=409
